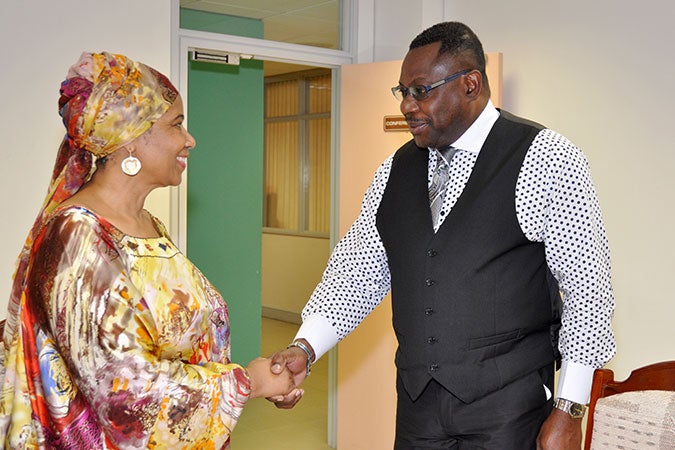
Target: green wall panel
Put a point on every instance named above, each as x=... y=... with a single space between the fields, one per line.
x=221 y=23
x=224 y=204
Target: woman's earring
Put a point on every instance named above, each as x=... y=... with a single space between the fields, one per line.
x=131 y=165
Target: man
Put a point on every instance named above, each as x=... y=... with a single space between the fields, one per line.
x=477 y=226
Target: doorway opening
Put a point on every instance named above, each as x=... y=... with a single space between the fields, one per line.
x=260 y=50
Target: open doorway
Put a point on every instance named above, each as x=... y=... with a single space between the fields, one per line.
x=295 y=244
x=296 y=186
x=254 y=50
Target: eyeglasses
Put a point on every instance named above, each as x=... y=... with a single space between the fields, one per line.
x=419 y=91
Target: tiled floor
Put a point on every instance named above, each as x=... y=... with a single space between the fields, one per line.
x=264 y=427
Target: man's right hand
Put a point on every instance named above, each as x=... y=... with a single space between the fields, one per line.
x=295 y=360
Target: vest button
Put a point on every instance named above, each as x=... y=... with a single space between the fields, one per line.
x=432 y=340
x=431 y=253
x=433 y=368
x=430 y=282
x=428 y=311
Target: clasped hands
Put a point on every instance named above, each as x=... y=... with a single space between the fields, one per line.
x=290 y=364
x=277 y=378
x=266 y=382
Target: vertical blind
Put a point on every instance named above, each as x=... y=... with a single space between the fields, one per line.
x=297 y=153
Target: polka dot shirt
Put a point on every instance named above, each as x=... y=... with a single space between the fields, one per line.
x=556 y=204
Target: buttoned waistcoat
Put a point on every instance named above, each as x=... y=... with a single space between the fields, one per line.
x=475 y=306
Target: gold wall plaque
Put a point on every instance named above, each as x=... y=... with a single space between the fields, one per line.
x=395 y=123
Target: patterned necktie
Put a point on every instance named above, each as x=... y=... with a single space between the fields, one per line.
x=439 y=181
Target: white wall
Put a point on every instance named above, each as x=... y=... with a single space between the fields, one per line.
x=39 y=40
x=291 y=267
x=600 y=72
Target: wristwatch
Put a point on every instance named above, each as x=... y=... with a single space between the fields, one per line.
x=576 y=410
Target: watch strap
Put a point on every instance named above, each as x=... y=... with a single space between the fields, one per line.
x=575 y=410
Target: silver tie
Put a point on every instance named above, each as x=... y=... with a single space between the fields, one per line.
x=439 y=181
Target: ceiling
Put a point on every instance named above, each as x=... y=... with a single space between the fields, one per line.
x=306 y=22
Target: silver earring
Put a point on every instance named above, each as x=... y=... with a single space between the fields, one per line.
x=131 y=165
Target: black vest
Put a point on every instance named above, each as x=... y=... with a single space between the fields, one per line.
x=474 y=305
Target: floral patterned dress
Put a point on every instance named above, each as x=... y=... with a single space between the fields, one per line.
x=122 y=343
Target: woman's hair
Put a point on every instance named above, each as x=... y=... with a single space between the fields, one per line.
x=101 y=162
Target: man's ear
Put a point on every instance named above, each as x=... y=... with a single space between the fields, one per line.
x=473 y=82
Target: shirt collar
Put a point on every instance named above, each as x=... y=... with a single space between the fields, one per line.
x=474 y=137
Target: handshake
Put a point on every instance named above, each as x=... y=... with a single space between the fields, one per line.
x=277 y=378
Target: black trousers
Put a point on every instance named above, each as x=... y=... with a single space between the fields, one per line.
x=507 y=419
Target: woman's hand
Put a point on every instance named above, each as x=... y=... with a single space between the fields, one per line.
x=265 y=383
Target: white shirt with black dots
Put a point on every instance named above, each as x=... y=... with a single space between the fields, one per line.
x=556 y=204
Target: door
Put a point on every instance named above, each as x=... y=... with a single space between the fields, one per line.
x=366 y=375
x=224 y=206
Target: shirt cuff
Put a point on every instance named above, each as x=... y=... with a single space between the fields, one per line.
x=320 y=334
x=574 y=382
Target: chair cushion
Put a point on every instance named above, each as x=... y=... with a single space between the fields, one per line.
x=635 y=420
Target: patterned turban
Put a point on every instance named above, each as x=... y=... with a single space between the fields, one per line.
x=109 y=100
x=106 y=102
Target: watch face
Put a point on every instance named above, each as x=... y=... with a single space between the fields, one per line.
x=573 y=409
x=577 y=411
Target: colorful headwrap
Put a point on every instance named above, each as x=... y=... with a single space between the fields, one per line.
x=106 y=102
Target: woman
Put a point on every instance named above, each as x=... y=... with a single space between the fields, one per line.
x=113 y=338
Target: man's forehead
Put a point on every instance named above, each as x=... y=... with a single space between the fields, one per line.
x=425 y=64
